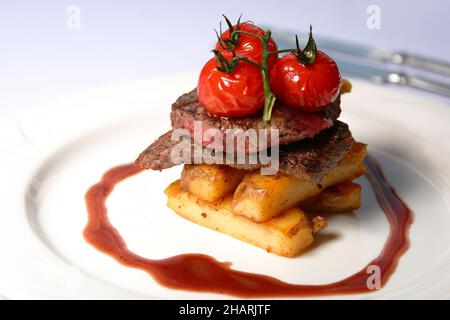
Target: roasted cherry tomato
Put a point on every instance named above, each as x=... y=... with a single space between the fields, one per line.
x=306 y=87
x=248 y=46
x=235 y=94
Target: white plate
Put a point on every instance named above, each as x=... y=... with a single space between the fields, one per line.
x=50 y=157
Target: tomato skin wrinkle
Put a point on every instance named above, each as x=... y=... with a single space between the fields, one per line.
x=248 y=45
x=308 y=88
x=237 y=94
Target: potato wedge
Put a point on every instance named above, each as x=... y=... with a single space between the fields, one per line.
x=286 y=235
x=340 y=198
x=261 y=198
x=210 y=182
x=346 y=86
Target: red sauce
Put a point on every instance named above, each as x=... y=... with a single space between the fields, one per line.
x=202 y=273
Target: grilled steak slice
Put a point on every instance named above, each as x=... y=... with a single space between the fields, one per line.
x=313 y=158
x=293 y=125
x=309 y=159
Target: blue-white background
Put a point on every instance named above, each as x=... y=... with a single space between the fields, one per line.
x=40 y=58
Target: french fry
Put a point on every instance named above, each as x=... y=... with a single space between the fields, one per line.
x=210 y=182
x=286 y=235
x=340 y=198
x=261 y=198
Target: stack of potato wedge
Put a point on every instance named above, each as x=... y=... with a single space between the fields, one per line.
x=279 y=213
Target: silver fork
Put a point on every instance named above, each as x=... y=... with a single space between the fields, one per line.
x=377 y=64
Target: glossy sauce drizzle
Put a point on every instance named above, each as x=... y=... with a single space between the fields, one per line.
x=202 y=273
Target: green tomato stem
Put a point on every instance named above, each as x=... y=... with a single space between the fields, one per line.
x=281 y=51
x=249 y=33
x=269 y=97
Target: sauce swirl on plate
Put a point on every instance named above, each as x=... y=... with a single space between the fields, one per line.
x=202 y=273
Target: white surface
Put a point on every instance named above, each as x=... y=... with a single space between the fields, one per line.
x=48 y=163
x=124 y=40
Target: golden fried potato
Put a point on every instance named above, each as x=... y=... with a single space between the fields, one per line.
x=261 y=198
x=342 y=197
x=346 y=86
x=286 y=235
x=210 y=182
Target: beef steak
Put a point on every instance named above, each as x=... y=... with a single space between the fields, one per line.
x=293 y=125
x=309 y=158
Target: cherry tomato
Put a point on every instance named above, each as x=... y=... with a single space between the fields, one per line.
x=306 y=87
x=236 y=94
x=249 y=46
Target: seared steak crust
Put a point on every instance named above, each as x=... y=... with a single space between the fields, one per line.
x=313 y=158
x=309 y=158
x=293 y=125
